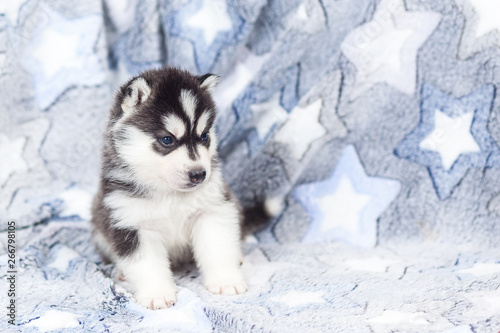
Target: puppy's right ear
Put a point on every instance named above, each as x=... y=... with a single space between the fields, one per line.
x=208 y=82
x=137 y=92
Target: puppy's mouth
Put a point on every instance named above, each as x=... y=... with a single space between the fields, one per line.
x=188 y=187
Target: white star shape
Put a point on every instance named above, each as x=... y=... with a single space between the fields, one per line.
x=451 y=137
x=11 y=157
x=486 y=303
x=61 y=55
x=212 y=18
x=372 y=264
x=306 y=18
x=385 y=49
x=57 y=51
x=301 y=13
x=11 y=10
x=347 y=204
x=24 y=166
x=488 y=12
x=398 y=317
x=481 y=269
x=302 y=128
x=267 y=114
x=77 y=202
x=238 y=79
x=482 y=27
x=55 y=320
x=258 y=270
x=296 y=298
x=341 y=209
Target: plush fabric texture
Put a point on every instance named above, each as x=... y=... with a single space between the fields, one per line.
x=368 y=128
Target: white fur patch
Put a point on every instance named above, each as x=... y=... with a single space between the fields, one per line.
x=212 y=149
x=202 y=123
x=148 y=272
x=175 y=125
x=210 y=83
x=140 y=93
x=188 y=102
x=216 y=248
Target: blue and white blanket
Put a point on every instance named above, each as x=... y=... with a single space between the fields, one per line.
x=369 y=127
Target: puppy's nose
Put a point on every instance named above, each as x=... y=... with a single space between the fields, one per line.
x=197 y=176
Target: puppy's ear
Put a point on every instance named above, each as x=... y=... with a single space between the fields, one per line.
x=137 y=93
x=208 y=82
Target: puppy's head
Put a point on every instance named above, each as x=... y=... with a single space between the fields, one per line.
x=163 y=128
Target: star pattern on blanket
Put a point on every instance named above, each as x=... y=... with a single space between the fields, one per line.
x=482 y=27
x=265 y=117
x=346 y=206
x=481 y=269
x=385 y=49
x=298 y=298
x=26 y=169
x=211 y=19
x=488 y=12
x=61 y=55
x=306 y=20
x=302 y=128
x=11 y=153
x=258 y=113
x=451 y=137
x=25 y=165
x=209 y=25
x=11 y=10
x=235 y=82
x=487 y=303
x=55 y=320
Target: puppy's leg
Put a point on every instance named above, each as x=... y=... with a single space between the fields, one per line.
x=148 y=271
x=216 y=246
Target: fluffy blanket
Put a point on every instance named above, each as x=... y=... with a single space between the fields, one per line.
x=369 y=128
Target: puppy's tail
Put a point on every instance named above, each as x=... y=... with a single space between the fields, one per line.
x=257 y=216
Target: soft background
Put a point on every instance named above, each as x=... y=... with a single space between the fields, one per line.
x=370 y=129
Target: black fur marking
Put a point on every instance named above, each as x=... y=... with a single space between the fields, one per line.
x=164 y=101
x=125 y=241
x=190 y=146
x=255 y=218
x=132 y=189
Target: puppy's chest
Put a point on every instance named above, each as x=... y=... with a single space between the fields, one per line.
x=163 y=214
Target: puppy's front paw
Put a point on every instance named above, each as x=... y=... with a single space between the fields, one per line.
x=156 y=300
x=227 y=286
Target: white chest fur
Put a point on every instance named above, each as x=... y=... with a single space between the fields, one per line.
x=172 y=215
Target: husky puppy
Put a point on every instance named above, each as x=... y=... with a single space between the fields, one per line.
x=162 y=198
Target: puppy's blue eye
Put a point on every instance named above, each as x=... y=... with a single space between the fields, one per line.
x=204 y=136
x=167 y=140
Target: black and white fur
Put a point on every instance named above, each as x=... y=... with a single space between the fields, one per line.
x=159 y=203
